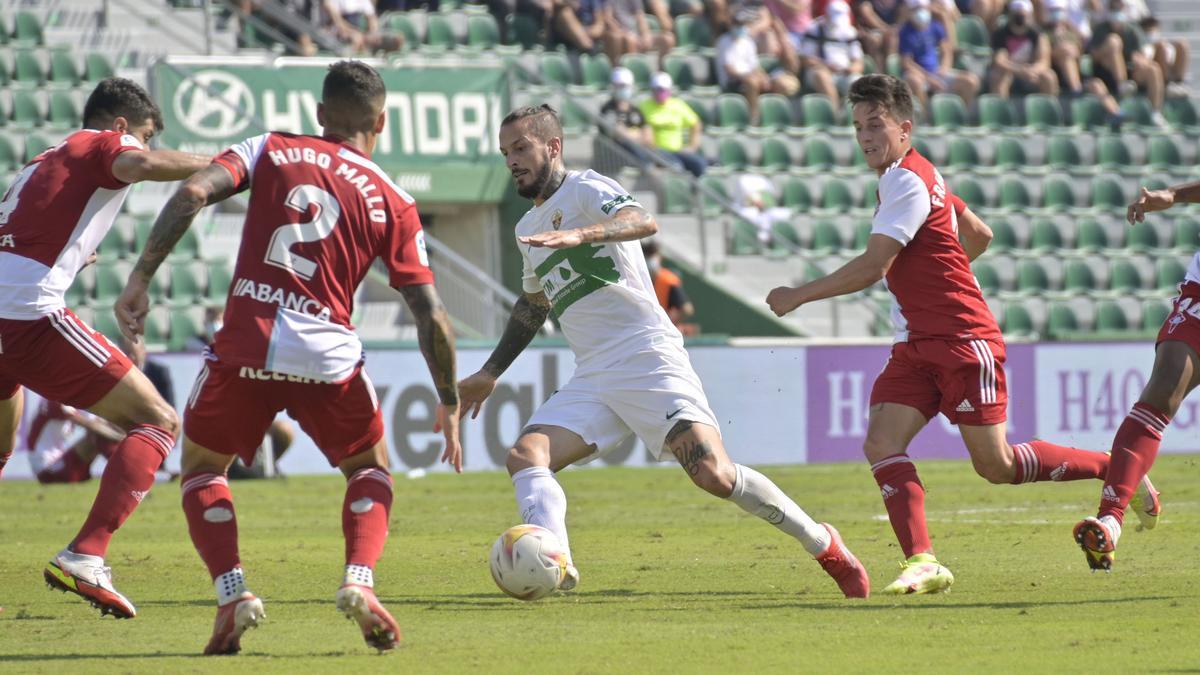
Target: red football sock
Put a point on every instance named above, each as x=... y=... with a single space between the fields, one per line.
x=208 y=505
x=69 y=469
x=365 y=515
x=1039 y=461
x=904 y=498
x=126 y=480
x=1134 y=450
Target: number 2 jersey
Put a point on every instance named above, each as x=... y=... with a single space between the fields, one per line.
x=320 y=212
x=53 y=217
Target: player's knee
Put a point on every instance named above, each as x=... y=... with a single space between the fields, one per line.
x=164 y=417
x=715 y=479
x=995 y=472
x=520 y=457
x=876 y=448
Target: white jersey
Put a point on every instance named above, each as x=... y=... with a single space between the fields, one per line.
x=601 y=293
x=1193 y=270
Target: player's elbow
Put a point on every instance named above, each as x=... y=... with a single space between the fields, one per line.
x=651 y=226
x=192 y=194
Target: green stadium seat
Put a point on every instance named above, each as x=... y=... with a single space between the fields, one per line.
x=733 y=113
x=1032 y=278
x=76 y=295
x=186 y=288
x=1010 y=155
x=1187 y=234
x=1169 y=273
x=1142 y=237
x=575 y=117
x=775 y=112
x=1045 y=236
x=1112 y=153
x=1110 y=317
x=63 y=69
x=157 y=325
x=10 y=158
x=680 y=70
x=715 y=193
x=948 y=112
x=744 y=238
x=482 y=31
x=28 y=30
x=4 y=33
x=817 y=111
x=692 y=32
x=862 y=234
x=776 y=156
x=219 y=279
x=796 y=195
x=642 y=68
x=1013 y=194
x=1078 y=277
x=987 y=276
x=1136 y=109
x=1180 y=112
x=676 y=195
x=826 y=237
x=596 y=71
x=701 y=106
x=524 y=30
x=870 y=198
x=1154 y=314
x=439 y=32
x=113 y=247
x=923 y=149
x=184 y=326
x=110 y=281
x=785 y=233
x=35 y=144
x=995 y=112
x=1125 y=277
x=1088 y=113
x=1004 y=237
x=555 y=68
x=970 y=191
x=1063 y=153
x=401 y=23
x=1017 y=320
x=1108 y=195
x=1162 y=152
x=972 y=33
x=681 y=7
x=1042 y=112
x=64 y=113
x=1058 y=193
x=961 y=153
x=27 y=69
x=188 y=246
x=818 y=153
x=837 y=196
x=1061 y=320
x=731 y=154
x=27 y=112
x=106 y=323
x=1090 y=236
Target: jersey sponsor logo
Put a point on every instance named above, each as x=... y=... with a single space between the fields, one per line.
x=214 y=104
x=130 y=142
x=611 y=205
x=556 y=219
x=569 y=274
x=246 y=372
x=7 y=241
x=264 y=292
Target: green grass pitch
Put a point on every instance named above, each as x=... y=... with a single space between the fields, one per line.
x=672 y=581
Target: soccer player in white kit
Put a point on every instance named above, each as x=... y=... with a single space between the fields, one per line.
x=632 y=374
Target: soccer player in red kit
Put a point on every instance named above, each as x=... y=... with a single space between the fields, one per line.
x=52 y=218
x=320 y=212
x=1175 y=374
x=948 y=354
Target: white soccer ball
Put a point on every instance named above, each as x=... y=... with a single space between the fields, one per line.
x=527 y=562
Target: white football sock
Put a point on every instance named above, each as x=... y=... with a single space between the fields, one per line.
x=359 y=575
x=230 y=586
x=542 y=502
x=756 y=494
x=1113 y=527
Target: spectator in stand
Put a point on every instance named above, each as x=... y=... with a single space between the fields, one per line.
x=927 y=57
x=669 y=289
x=833 y=53
x=987 y=10
x=738 y=68
x=382 y=6
x=355 y=24
x=755 y=197
x=877 y=22
x=302 y=42
x=795 y=15
x=676 y=129
x=1066 y=48
x=1021 y=55
x=629 y=32
x=628 y=125
x=1172 y=56
x=1117 y=58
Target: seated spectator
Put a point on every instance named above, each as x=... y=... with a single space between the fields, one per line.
x=1172 y=56
x=382 y=6
x=675 y=128
x=1117 y=58
x=1021 y=56
x=355 y=24
x=628 y=125
x=629 y=32
x=833 y=53
x=927 y=55
x=1066 y=47
x=988 y=11
x=301 y=42
x=755 y=196
x=738 y=68
x=795 y=15
x=878 y=22
x=669 y=289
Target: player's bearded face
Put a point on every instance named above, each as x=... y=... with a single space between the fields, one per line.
x=531 y=183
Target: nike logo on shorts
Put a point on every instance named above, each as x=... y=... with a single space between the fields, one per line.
x=677 y=411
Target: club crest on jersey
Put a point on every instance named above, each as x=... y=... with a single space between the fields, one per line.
x=556 y=219
x=1176 y=319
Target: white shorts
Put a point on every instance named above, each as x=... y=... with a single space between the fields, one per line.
x=646 y=395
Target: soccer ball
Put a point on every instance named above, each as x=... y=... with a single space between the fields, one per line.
x=527 y=562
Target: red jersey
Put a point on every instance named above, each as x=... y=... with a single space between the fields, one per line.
x=936 y=294
x=320 y=212
x=53 y=217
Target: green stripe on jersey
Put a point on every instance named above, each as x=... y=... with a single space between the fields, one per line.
x=571 y=273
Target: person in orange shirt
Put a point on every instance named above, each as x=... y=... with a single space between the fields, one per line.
x=669 y=289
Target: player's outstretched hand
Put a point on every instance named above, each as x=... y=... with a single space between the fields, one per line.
x=1149 y=201
x=473 y=391
x=782 y=300
x=447 y=425
x=131 y=309
x=553 y=239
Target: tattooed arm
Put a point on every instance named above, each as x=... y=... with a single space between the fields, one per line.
x=160 y=165
x=528 y=315
x=629 y=224
x=436 y=338
x=209 y=186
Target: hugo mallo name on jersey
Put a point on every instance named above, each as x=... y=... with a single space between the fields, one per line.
x=601 y=293
x=320 y=213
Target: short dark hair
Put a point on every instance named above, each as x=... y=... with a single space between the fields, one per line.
x=544 y=122
x=890 y=93
x=353 y=94
x=118 y=97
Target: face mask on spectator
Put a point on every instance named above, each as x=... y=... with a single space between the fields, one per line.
x=661 y=95
x=1018 y=20
x=1058 y=15
x=921 y=17
x=740 y=32
x=623 y=93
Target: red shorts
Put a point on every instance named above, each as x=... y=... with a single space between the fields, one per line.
x=231 y=408
x=962 y=379
x=1183 y=325
x=61 y=358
